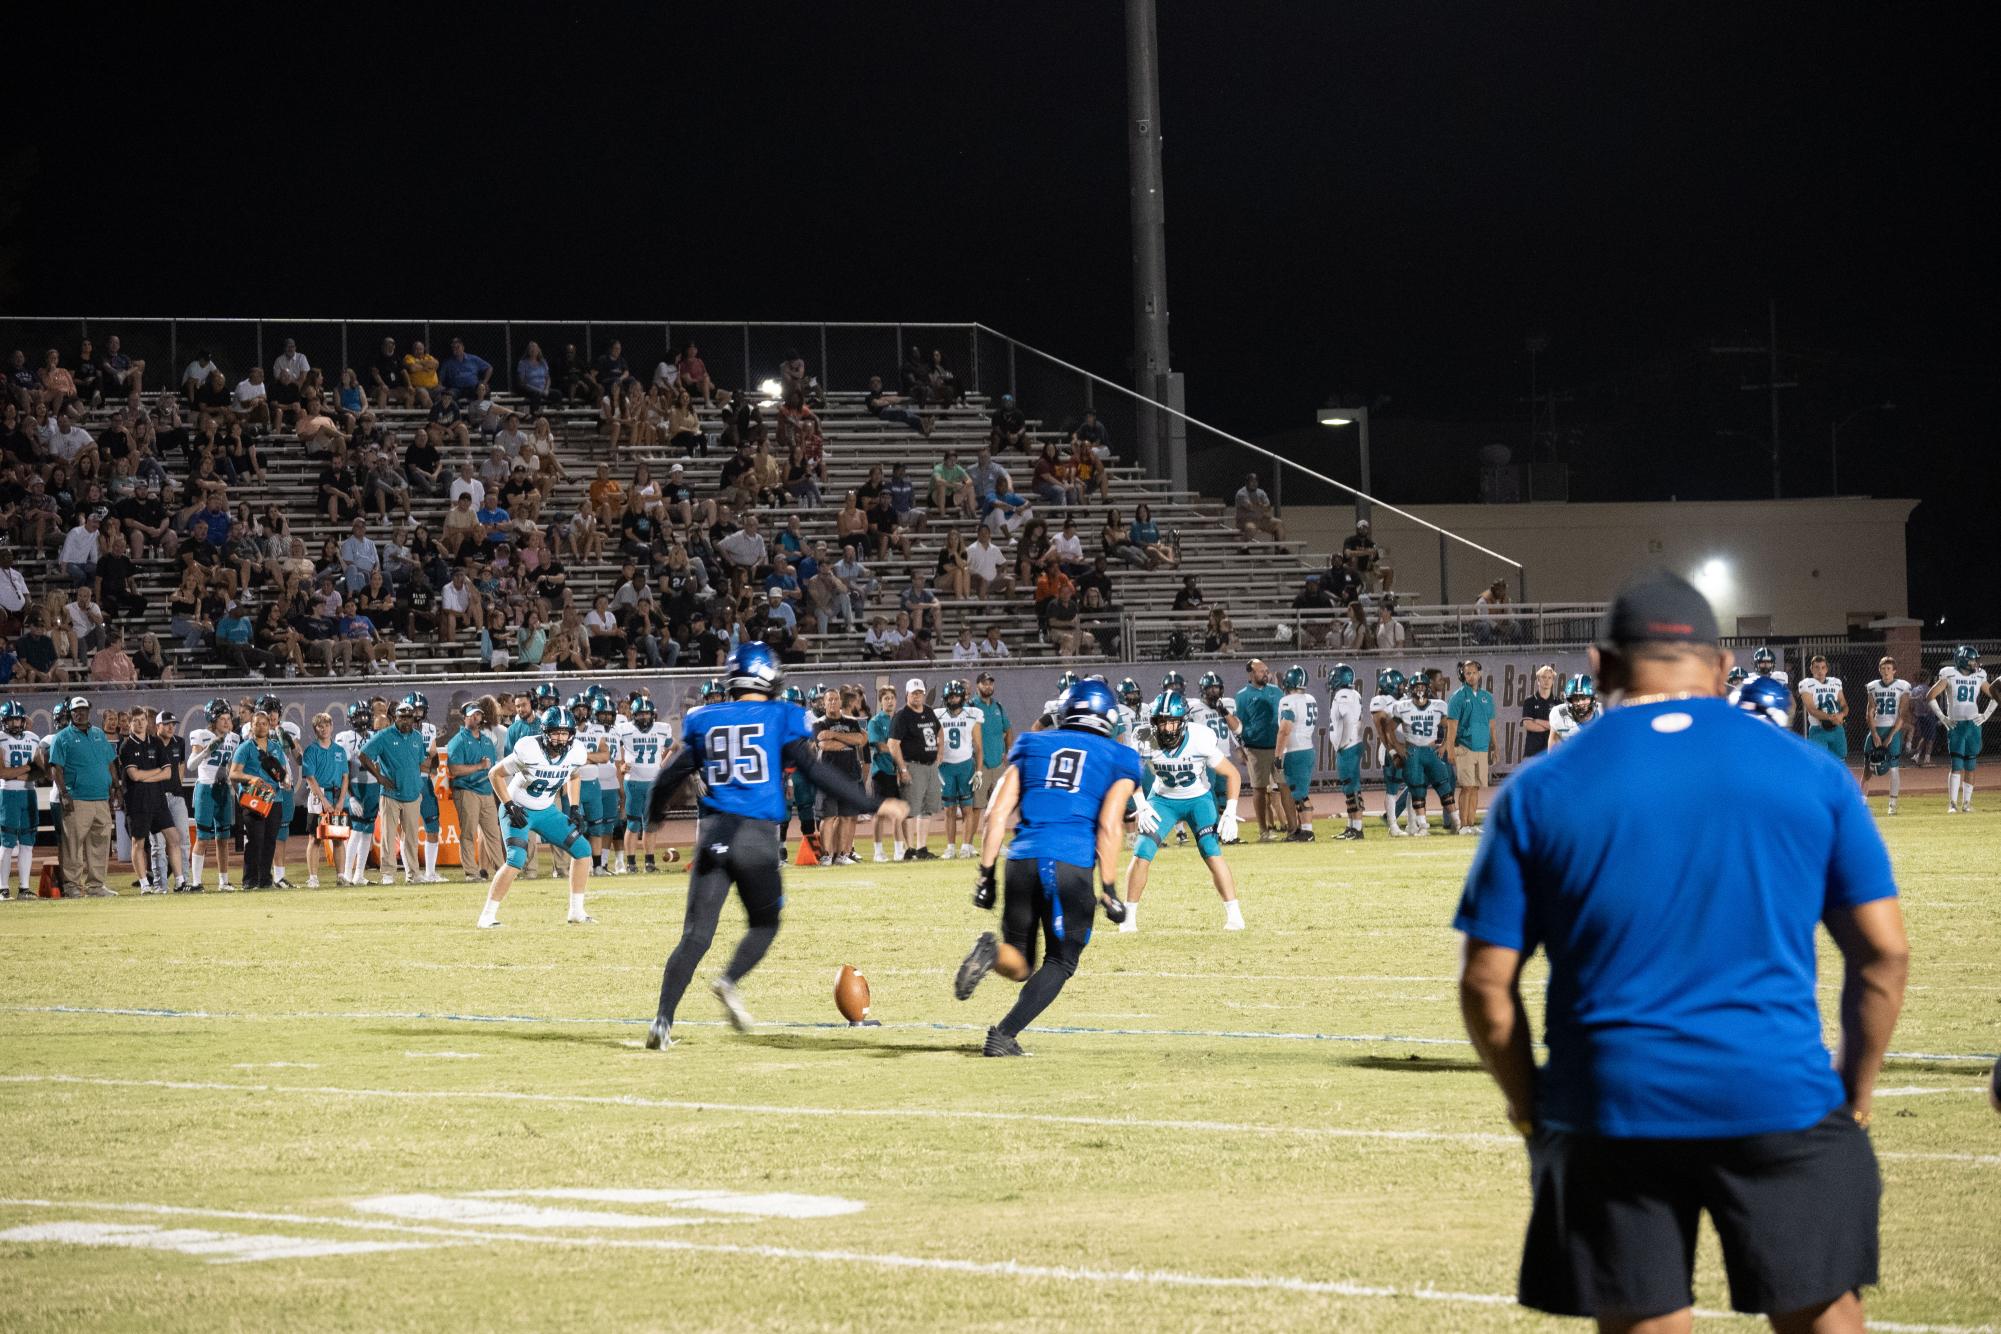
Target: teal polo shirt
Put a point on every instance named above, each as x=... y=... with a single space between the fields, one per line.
x=993 y=752
x=878 y=735
x=469 y=747
x=521 y=727
x=246 y=756
x=1473 y=710
x=86 y=759
x=1257 y=710
x=400 y=756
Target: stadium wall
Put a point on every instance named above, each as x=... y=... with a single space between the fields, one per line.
x=1811 y=566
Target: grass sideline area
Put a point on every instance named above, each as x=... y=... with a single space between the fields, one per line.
x=348 y=1109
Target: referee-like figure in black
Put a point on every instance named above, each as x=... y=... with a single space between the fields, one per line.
x=1686 y=1069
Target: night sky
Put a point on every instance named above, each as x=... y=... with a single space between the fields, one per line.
x=1383 y=200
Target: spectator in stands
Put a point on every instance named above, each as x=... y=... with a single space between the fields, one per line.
x=1145 y=534
x=68 y=441
x=359 y=556
x=288 y=377
x=745 y=552
x=464 y=374
x=58 y=386
x=1389 y=632
x=988 y=567
x=1314 y=602
x=954 y=575
x=903 y=497
x=993 y=645
x=922 y=604
x=1352 y=631
x=462 y=533
x=1254 y=514
x=359 y=637
x=39 y=660
x=1061 y=627
x=240 y=459
x=1095 y=577
x=112 y=664
x=611 y=379
x=387 y=377
x=199 y=373
x=150 y=662
x=1116 y=541
x=531 y=378
x=886 y=406
x=1051 y=584
x=120 y=376
x=702 y=646
x=1009 y=428
x=607 y=639
x=684 y=426
x=1032 y=552
x=695 y=376
x=13 y=593
x=350 y=397
x=1051 y=482
x=423 y=469
x=86 y=375
x=880 y=642
x=1068 y=549
x=115 y=571
x=82 y=548
x=252 y=404
x=944 y=385
x=886 y=530
x=1491 y=621
x=1189 y=596
x=420 y=375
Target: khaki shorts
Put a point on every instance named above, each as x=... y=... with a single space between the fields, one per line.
x=1469 y=767
x=1264 y=769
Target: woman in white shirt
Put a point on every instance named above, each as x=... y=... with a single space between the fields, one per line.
x=880 y=640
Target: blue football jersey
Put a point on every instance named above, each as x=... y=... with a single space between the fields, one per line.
x=1065 y=774
x=741 y=746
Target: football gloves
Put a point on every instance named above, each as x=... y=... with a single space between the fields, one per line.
x=983 y=890
x=1226 y=826
x=1147 y=821
x=1114 y=906
x=515 y=815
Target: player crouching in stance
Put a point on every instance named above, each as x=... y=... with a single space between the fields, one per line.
x=741 y=748
x=1182 y=759
x=1070 y=785
x=542 y=765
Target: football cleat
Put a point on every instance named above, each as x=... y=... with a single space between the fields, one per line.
x=976 y=966
x=659 y=1036
x=581 y=919
x=1000 y=1044
x=732 y=999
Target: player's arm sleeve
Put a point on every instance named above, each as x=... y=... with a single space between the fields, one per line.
x=1494 y=904
x=1858 y=865
x=799 y=753
x=680 y=767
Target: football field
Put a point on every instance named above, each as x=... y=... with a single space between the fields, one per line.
x=347 y=1109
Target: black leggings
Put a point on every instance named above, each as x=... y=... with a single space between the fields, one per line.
x=730 y=850
x=260 y=842
x=1058 y=898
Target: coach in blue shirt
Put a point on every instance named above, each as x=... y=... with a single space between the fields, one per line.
x=1257 y=711
x=1686 y=1069
x=1469 y=741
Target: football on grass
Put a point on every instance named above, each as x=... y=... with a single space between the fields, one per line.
x=1994 y=1087
x=851 y=994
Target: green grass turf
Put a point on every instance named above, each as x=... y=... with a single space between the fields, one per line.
x=1185 y=1157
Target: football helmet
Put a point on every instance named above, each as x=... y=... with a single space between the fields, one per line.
x=1764 y=661
x=1129 y=693
x=13 y=717
x=752 y=667
x=1580 y=692
x=1341 y=676
x=1765 y=698
x=1088 y=706
x=1294 y=678
x=559 y=728
x=1966 y=658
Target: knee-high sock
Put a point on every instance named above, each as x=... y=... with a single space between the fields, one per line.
x=1896 y=782
x=750 y=952
x=1037 y=995
x=194 y=869
x=430 y=856
x=1952 y=789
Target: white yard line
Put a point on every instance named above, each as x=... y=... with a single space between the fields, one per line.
x=1008 y=1269
x=1476 y=1138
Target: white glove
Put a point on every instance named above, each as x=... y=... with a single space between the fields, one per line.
x=1148 y=819
x=1226 y=826
x=1940 y=712
x=354 y=806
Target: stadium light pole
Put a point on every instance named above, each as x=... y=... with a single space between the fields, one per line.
x=1834 y=443
x=1359 y=418
x=1149 y=229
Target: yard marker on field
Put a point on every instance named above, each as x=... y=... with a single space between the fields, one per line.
x=1006 y=1269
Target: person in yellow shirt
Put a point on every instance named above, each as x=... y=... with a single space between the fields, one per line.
x=420 y=368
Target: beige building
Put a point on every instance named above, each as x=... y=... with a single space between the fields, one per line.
x=1770 y=566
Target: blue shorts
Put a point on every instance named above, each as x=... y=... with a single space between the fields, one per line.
x=548 y=824
x=1962 y=742
x=1393 y=773
x=956 y=783
x=638 y=799
x=287 y=804
x=364 y=803
x=427 y=808
x=1426 y=768
x=1894 y=759
x=1198 y=813
x=1348 y=769
x=601 y=808
x=1832 y=739
x=215 y=811
x=1298 y=765
x=19 y=817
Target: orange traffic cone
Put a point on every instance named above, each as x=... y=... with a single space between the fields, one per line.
x=51 y=885
x=806 y=856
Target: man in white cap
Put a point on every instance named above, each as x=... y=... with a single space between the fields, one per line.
x=81 y=759
x=913 y=744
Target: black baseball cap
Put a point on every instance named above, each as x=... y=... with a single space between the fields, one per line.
x=1657 y=607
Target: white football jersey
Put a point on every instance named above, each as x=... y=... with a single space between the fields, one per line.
x=535 y=777
x=1826 y=696
x=295 y=751
x=1304 y=713
x=1962 y=692
x=1216 y=718
x=644 y=751
x=1344 y=718
x=596 y=737
x=210 y=752
x=1420 y=724
x=955 y=744
x=351 y=742
x=17 y=752
x=1562 y=725
x=1125 y=727
x=1184 y=770
x=1886 y=700
x=1777 y=674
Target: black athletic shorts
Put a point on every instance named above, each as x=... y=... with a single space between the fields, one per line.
x=832 y=807
x=146 y=810
x=1056 y=900
x=885 y=786
x=1613 y=1227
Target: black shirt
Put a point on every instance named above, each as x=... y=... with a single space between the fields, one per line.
x=152 y=753
x=706 y=648
x=390 y=367
x=917 y=730
x=1536 y=709
x=423 y=455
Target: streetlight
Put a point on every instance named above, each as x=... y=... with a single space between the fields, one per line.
x=1336 y=417
x=1834 y=443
